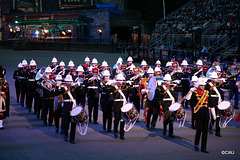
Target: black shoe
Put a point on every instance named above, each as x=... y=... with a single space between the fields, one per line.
x=22 y=105
x=45 y=123
x=61 y=131
x=72 y=141
x=56 y=130
x=95 y=122
x=90 y=120
x=153 y=128
x=115 y=135
x=104 y=128
x=122 y=137
x=218 y=135
x=193 y=127
x=1 y=128
x=17 y=101
x=49 y=124
x=38 y=116
x=204 y=150
x=196 y=148
x=172 y=136
x=236 y=107
x=109 y=130
x=29 y=111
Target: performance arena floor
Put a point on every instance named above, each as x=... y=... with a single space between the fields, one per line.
x=25 y=137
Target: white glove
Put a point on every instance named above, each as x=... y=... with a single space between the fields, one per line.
x=59 y=83
x=177 y=81
x=129 y=82
x=159 y=83
x=193 y=89
x=144 y=91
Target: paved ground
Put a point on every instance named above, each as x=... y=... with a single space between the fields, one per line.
x=25 y=137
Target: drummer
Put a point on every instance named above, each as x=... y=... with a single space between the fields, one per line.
x=120 y=93
x=152 y=106
x=169 y=96
x=67 y=107
x=215 y=97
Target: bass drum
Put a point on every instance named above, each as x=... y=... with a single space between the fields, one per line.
x=151 y=87
x=130 y=115
x=80 y=117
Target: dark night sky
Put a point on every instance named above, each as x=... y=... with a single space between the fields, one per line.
x=152 y=9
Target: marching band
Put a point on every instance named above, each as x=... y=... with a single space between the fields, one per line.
x=120 y=92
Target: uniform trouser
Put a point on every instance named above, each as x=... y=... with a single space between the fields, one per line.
x=136 y=101
x=217 y=125
x=234 y=91
x=217 y=121
x=117 y=119
x=170 y=122
x=23 y=87
x=154 y=109
x=30 y=96
x=39 y=105
x=154 y=113
x=48 y=111
x=192 y=117
x=67 y=121
x=57 y=114
x=93 y=106
x=201 y=128
x=107 y=120
x=17 y=87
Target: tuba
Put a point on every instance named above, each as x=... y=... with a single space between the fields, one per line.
x=45 y=83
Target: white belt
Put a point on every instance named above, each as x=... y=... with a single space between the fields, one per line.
x=184 y=78
x=32 y=80
x=214 y=95
x=68 y=100
x=93 y=87
x=22 y=78
x=104 y=93
x=118 y=99
x=167 y=99
x=135 y=85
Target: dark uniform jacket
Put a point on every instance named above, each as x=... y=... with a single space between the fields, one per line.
x=203 y=112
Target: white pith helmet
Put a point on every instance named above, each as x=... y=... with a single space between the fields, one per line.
x=54 y=60
x=167 y=77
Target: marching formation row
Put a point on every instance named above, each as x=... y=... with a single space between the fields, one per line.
x=62 y=92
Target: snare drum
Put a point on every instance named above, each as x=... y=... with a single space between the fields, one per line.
x=225 y=109
x=130 y=113
x=177 y=110
x=79 y=115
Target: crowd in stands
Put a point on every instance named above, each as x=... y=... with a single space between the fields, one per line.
x=223 y=15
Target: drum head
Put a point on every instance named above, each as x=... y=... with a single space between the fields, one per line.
x=151 y=88
x=174 y=107
x=224 y=105
x=127 y=107
x=76 y=110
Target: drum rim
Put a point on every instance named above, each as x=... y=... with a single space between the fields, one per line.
x=125 y=105
x=172 y=105
x=75 y=109
x=220 y=108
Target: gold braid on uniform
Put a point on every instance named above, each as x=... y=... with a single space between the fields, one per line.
x=201 y=101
